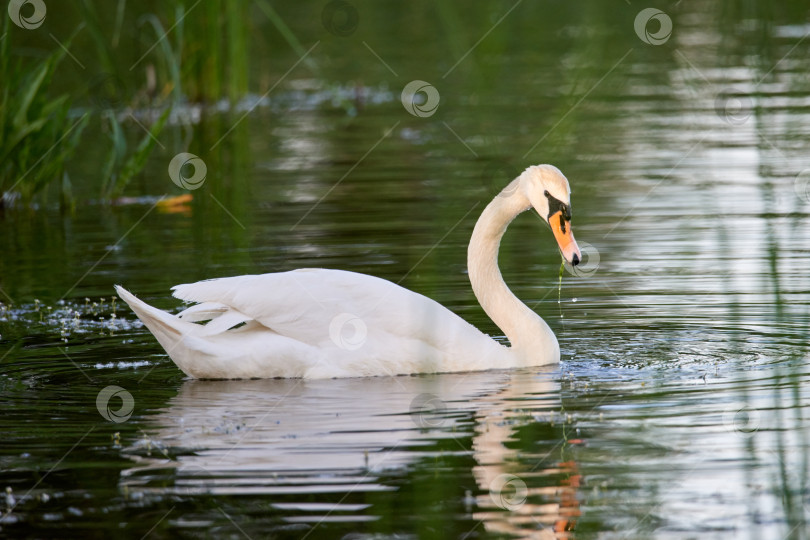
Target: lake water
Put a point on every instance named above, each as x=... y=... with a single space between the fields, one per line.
x=681 y=406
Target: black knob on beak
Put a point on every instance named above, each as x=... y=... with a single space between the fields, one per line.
x=575 y=260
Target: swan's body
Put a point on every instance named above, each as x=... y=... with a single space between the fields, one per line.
x=318 y=323
x=325 y=323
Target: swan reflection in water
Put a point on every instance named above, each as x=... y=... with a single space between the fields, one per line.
x=286 y=437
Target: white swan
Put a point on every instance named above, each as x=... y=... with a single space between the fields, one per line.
x=318 y=323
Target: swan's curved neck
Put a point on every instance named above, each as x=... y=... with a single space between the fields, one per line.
x=529 y=335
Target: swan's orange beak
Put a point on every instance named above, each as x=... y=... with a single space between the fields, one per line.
x=565 y=238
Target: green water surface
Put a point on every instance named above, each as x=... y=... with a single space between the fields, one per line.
x=678 y=410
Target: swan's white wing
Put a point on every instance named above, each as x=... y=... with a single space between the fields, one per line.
x=365 y=325
x=309 y=304
x=203 y=312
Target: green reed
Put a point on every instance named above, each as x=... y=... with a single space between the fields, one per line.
x=206 y=55
x=40 y=133
x=122 y=165
x=37 y=134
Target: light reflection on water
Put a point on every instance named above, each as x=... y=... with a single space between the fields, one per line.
x=343 y=439
x=639 y=451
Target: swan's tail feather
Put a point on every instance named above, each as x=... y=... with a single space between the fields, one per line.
x=217 y=350
x=167 y=328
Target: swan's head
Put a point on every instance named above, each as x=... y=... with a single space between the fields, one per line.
x=548 y=192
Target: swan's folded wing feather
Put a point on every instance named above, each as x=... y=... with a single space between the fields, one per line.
x=304 y=304
x=203 y=312
x=224 y=322
x=220 y=317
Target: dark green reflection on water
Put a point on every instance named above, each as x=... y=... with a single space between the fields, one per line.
x=680 y=407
